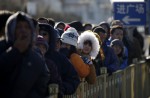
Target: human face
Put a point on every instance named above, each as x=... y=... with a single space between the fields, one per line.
x=65 y=45
x=60 y=26
x=44 y=34
x=118 y=34
x=42 y=48
x=117 y=49
x=87 y=48
x=102 y=36
x=23 y=29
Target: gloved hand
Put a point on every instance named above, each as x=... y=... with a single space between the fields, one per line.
x=87 y=60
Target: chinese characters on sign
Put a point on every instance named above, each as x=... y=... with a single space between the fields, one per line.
x=122 y=9
x=130 y=13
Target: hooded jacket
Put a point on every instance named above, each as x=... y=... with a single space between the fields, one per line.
x=110 y=61
x=89 y=35
x=70 y=78
x=85 y=36
x=3 y=46
x=70 y=36
x=11 y=26
x=52 y=35
x=124 y=56
x=28 y=77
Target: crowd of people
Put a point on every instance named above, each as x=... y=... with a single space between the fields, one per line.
x=37 y=52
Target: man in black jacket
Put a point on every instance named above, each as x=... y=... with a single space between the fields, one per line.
x=22 y=71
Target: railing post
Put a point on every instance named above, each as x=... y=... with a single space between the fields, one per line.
x=103 y=71
x=132 y=81
x=82 y=88
x=53 y=90
x=124 y=83
x=129 y=81
x=135 y=61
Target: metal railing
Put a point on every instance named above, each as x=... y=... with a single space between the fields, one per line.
x=132 y=82
x=53 y=90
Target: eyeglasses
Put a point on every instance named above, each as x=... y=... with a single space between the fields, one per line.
x=43 y=33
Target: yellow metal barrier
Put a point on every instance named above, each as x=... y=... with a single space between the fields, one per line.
x=132 y=82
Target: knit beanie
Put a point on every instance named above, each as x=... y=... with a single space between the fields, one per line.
x=70 y=36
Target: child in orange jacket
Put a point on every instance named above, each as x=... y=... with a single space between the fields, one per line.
x=89 y=48
x=69 y=42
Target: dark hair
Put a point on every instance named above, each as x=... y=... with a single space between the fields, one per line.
x=35 y=23
x=88 y=42
x=51 y=22
x=4 y=15
x=112 y=30
x=42 y=18
x=87 y=24
x=72 y=50
x=77 y=25
x=106 y=24
x=60 y=23
x=94 y=27
x=99 y=29
x=116 y=22
x=108 y=27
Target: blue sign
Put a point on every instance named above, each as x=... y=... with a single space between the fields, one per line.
x=130 y=13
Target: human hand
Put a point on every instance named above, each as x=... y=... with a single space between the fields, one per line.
x=87 y=60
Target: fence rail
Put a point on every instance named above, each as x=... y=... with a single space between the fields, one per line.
x=132 y=82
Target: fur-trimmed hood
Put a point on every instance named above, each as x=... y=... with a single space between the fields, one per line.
x=89 y=35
